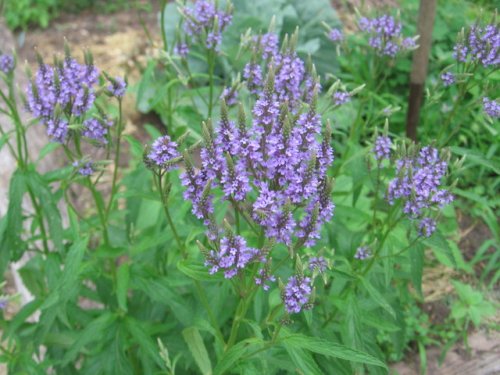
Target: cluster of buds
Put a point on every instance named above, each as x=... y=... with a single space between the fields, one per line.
x=7 y=63
x=479 y=45
x=63 y=97
x=204 y=23
x=386 y=35
x=420 y=172
x=272 y=170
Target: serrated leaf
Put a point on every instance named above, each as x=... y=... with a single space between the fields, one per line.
x=328 y=348
x=48 y=205
x=197 y=272
x=232 y=356
x=198 y=350
x=377 y=297
x=11 y=244
x=122 y=281
x=303 y=360
x=145 y=342
x=94 y=331
x=416 y=253
x=439 y=245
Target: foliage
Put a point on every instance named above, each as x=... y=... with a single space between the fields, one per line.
x=38 y=13
x=137 y=284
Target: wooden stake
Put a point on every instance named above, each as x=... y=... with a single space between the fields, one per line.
x=426 y=17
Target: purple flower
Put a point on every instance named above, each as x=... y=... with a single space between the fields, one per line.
x=84 y=168
x=3 y=303
x=69 y=86
x=264 y=277
x=448 y=78
x=163 y=150
x=385 y=35
x=181 y=49
x=341 y=97
x=382 y=148
x=233 y=255
x=200 y=23
x=272 y=167
x=408 y=43
x=290 y=74
x=297 y=293
x=426 y=227
x=362 y=253
x=252 y=73
x=481 y=45
x=57 y=130
x=7 y=63
x=336 y=35
x=491 y=107
x=117 y=87
x=96 y=129
x=418 y=182
x=318 y=263
x=268 y=45
x=365 y=24
x=230 y=96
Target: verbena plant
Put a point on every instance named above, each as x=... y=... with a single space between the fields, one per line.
x=234 y=243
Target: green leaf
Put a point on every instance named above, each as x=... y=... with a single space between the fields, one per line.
x=48 y=205
x=416 y=253
x=197 y=348
x=328 y=348
x=303 y=360
x=232 y=356
x=93 y=332
x=197 y=272
x=439 y=245
x=377 y=297
x=159 y=290
x=144 y=340
x=11 y=244
x=122 y=281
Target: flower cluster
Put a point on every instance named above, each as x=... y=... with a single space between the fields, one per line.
x=296 y=293
x=336 y=35
x=480 y=45
x=293 y=83
x=273 y=171
x=117 y=87
x=382 y=148
x=65 y=93
x=419 y=174
x=163 y=153
x=233 y=254
x=318 y=263
x=68 y=86
x=386 y=35
x=205 y=23
x=96 y=129
x=491 y=107
x=448 y=79
x=7 y=63
x=362 y=253
x=84 y=168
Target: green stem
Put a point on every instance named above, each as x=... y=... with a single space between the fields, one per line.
x=211 y=316
x=101 y=211
x=39 y=216
x=119 y=131
x=162 y=21
x=241 y=311
x=164 y=201
x=211 y=67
